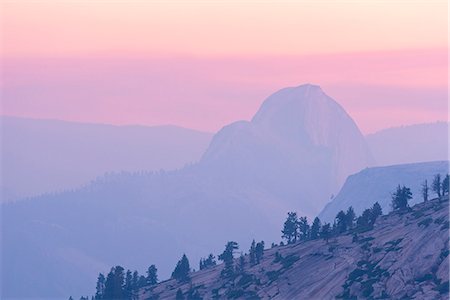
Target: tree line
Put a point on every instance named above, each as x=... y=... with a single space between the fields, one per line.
x=119 y=284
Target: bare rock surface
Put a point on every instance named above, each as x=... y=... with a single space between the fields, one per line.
x=405 y=255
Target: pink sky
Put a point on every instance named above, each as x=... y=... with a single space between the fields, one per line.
x=203 y=64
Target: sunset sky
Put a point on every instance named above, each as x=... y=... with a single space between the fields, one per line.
x=203 y=64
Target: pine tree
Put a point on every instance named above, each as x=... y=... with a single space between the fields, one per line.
x=365 y=219
x=425 y=190
x=341 y=222
x=350 y=217
x=152 y=276
x=241 y=263
x=252 y=253
x=114 y=284
x=207 y=262
x=325 y=233
x=436 y=185
x=128 y=286
x=227 y=258
x=259 y=251
x=182 y=269
x=400 y=198
x=445 y=187
x=376 y=211
x=303 y=228
x=290 y=228
x=100 y=289
x=315 y=228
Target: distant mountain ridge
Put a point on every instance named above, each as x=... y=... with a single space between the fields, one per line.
x=280 y=161
x=41 y=156
x=410 y=144
x=363 y=189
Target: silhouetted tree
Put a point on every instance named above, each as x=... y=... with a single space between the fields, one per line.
x=100 y=288
x=364 y=220
x=425 y=190
x=290 y=228
x=152 y=275
x=252 y=253
x=303 y=228
x=259 y=251
x=341 y=222
x=128 y=286
x=135 y=281
x=326 y=232
x=375 y=212
x=401 y=197
x=207 y=262
x=315 y=228
x=182 y=269
x=436 y=185
x=350 y=217
x=241 y=263
x=114 y=284
x=227 y=258
x=445 y=188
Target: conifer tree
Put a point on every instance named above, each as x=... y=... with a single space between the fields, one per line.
x=437 y=185
x=259 y=251
x=182 y=269
x=290 y=228
x=315 y=228
x=100 y=288
x=350 y=217
x=227 y=258
x=252 y=253
x=114 y=284
x=303 y=228
x=400 y=198
x=445 y=187
x=152 y=276
x=425 y=190
x=325 y=233
x=341 y=222
x=376 y=211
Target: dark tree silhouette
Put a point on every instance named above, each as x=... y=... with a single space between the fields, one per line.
x=303 y=228
x=114 y=284
x=128 y=286
x=400 y=198
x=365 y=219
x=252 y=253
x=207 y=262
x=100 y=288
x=325 y=232
x=152 y=275
x=350 y=217
x=290 y=228
x=182 y=269
x=259 y=251
x=425 y=190
x=445 y=188
x=341 y=222
x=437 y=185
x=375 y=212
x=315 y=228
x=227 y=258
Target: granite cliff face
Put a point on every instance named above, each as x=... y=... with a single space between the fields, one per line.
x=405 y=255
